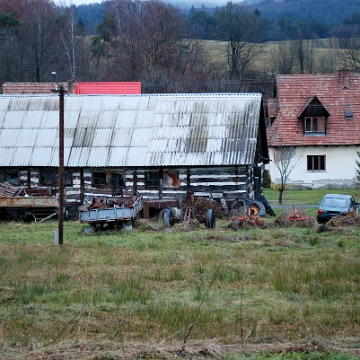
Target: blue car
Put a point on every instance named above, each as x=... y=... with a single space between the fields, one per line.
x=335 y=204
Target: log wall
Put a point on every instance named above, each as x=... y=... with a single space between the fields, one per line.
x=225 y=182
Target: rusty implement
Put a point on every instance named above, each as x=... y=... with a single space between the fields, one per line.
x=296 y=215
x=28 y=202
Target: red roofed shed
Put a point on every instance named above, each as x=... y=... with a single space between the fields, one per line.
x=90 y=88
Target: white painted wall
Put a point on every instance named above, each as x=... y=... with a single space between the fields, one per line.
x=340 y=167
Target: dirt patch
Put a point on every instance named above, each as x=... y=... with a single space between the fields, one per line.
x=204 y=350
x=189 y=225
x=353 y=219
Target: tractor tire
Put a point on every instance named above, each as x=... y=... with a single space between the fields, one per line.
x=210 y=219
x=167 y=218
x=257 y=207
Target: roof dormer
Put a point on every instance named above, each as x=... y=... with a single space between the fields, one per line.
x=314 y=115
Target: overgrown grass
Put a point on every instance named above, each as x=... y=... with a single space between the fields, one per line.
x=245 y=287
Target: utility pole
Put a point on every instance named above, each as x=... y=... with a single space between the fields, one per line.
x=61 y=165
x=60 y=231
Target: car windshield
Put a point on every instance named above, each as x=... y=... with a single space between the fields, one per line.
x=335 y=202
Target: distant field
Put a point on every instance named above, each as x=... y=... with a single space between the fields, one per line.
x=324 y=55
x=184 y=292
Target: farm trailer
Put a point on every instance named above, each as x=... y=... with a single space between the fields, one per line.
x=108 y=213
x=26 y=204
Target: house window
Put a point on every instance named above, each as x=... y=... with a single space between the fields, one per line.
x=117 y=180
x=99 y=178
x=316 y=162
x=314 y=125
x=46 y=177
x=67 y=178
x=152 y=180
x=12 y=177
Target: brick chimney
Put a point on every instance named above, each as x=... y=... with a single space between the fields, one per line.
x=345 y=79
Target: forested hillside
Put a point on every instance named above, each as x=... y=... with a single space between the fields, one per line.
x=230 y=48
x=330 y=12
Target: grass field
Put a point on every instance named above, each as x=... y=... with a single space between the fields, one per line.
x=326 y=58
x=184 y=292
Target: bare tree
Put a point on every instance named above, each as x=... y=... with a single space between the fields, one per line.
x=328 y=62
x=241 y=30
x=40 y=43
x=72 y=36
x=351 y=54
x=8 y=27
x=145 y=39
x=304 y=50
x=282 y=57
x=126 y=40
x=286 y=161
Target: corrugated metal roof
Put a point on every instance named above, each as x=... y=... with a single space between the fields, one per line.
x=131 y=130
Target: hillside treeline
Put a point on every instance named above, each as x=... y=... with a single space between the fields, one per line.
x=165 y=49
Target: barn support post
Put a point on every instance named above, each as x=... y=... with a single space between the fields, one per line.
x=160 y=183
x=257 y=181
x=134 y=182
x=82 y=186
x=188 y=180
x=28 y=178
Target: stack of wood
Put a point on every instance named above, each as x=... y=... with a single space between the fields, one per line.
x=7 y=190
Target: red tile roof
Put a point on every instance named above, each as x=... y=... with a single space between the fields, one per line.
x=338 y=93
x=108 y=88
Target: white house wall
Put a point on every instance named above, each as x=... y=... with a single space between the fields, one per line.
x=340 y=167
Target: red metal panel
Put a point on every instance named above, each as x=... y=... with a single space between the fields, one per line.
x=103 y=88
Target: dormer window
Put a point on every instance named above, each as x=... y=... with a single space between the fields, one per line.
x=314 y=125
x=313 y=116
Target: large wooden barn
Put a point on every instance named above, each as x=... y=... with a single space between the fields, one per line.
x=160 y=146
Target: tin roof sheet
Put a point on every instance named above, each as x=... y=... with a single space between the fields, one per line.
x=131 y=130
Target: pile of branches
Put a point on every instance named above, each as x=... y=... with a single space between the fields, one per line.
x=201 y=205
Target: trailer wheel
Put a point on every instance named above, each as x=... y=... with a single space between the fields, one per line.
x=210 y=219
